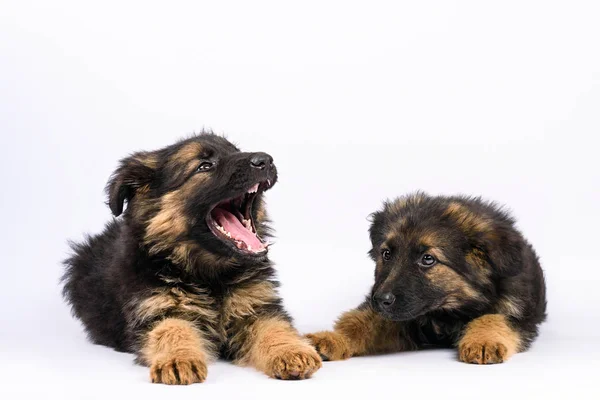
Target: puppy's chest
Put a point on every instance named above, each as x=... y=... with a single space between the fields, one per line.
x=214 y=311
x=439 y=332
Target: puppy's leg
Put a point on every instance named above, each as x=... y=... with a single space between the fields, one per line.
x=176 y=353
x=273 y=346
x=361 y=332
x=488 y=339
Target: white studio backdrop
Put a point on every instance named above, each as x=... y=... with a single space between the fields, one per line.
x=356 y=101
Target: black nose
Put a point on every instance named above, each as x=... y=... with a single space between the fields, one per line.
x=385 y=300
x=261 y=160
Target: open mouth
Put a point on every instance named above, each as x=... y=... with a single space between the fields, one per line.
x=231 y=221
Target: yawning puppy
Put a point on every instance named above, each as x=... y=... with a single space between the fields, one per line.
x=183 y=275
x=450 y=271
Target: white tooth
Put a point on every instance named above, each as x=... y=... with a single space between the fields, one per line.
x=269 y=182
x=253 y=189
x=250 y=248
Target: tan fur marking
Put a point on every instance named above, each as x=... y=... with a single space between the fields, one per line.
x=150 y=160
x=458 y=290
x=154 y=306
x=274 y=347
x=188 y=254
x=182 y=253
x=187 y=153
x=488 y=339
x=332 y=346
x=476 y=258
x=430 y=239
x=186 y=305
x=468 y=220
x=205 y=257
x=176 y=353
x=168 y=223
x=367 y=332
x=244 y=301
x=391 y=236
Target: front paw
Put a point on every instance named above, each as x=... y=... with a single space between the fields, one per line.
x=488 y=352
x=178 y=371
x=293 y=363
x=332 y=346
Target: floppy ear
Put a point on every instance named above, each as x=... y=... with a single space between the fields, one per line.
x=377 y=231
x=133 y=173
x=505 y=251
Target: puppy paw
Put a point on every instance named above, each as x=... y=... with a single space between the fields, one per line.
x=489 y=352
x=293 y=363
x=178 y=371
x=331 y=346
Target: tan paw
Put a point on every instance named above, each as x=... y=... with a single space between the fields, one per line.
x=293 y=362
x=489 y=352
x=178 y=371
x=332 y=346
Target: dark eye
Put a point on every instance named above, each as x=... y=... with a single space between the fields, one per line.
x=386 y=254
x=204 y=166
x=427 y=260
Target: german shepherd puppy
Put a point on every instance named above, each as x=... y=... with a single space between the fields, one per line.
x=450 y=272
x=183 y=275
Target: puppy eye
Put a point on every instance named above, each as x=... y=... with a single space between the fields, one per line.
x=386 y=254
x=427 y=260
x=204 y=166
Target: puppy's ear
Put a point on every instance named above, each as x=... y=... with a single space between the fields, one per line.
x=377 y=231
x=505 y=251
x=133 y=173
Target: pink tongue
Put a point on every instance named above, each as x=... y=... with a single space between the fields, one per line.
x=231 y=224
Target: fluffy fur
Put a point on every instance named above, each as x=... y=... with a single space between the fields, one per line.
x=450 y=272
x=162 y=281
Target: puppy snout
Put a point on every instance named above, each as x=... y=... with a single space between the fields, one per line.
x=385 y=300
x=261 y=160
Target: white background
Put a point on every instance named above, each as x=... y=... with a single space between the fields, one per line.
x=356 y=102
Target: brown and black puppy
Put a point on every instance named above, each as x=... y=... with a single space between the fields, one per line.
x=450 y=271
x=183 y=276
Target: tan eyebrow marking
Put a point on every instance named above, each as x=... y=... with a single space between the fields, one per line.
x=187 y=153
x=430 y=239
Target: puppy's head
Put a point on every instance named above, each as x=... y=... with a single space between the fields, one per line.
x=200 y=197
x=440 y=253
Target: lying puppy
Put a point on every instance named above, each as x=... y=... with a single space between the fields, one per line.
x=450 y=271
x=183 y=276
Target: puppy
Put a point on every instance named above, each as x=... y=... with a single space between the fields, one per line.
x=183 y=277
x=450 y=272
